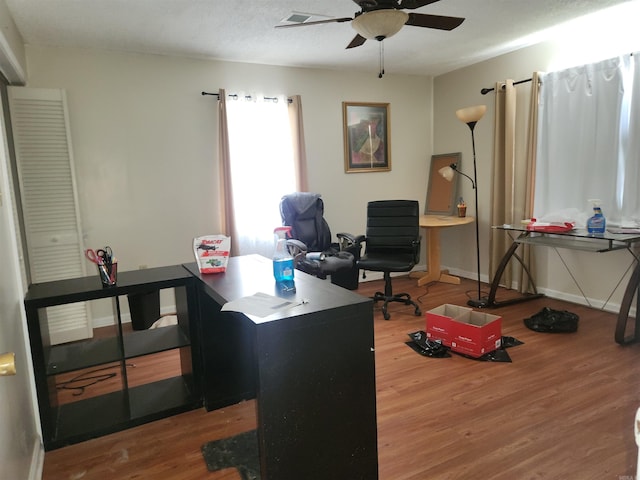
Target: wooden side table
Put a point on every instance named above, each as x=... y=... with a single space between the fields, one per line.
x=433 y=224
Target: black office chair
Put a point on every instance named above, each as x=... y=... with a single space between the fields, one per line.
x=312 y=249
x=392 y=245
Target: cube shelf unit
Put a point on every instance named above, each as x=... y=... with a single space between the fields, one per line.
x=127 y=406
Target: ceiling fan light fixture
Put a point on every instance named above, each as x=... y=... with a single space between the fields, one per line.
x=379 y=24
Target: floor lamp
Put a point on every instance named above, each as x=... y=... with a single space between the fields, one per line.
x=470 y=116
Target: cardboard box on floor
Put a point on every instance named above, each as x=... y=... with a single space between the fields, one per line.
x=464 y=330
x=439 y=322
x=476 y=333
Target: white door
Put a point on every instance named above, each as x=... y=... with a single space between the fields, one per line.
x=21 y=452
x=44 y=157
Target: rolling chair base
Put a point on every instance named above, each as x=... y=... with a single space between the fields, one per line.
x=389 y=297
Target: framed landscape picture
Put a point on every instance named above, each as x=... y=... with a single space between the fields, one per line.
x=367 y=139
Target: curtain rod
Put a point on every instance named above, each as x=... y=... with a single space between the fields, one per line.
x=484 y=91
x=247 y=97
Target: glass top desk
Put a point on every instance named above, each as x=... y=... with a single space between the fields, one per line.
x=576 y=239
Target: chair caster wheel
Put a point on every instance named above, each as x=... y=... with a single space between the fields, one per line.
x=386 y=315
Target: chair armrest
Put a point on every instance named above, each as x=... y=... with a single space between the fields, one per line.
x=347 y=240
x=416 y=249
x=296 y=247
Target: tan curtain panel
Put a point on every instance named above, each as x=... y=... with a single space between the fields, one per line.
x=299 y=149
x=513 y=174
x=226 y=186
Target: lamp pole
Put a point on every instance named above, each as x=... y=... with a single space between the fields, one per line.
x=479 y=302
x=470 y=116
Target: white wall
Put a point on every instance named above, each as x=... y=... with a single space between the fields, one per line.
x=145 y=143
x=12 y=54
x=597 y=274
x=145 y=146
x=21 y=450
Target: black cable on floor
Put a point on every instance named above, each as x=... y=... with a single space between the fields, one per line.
x=91 y=379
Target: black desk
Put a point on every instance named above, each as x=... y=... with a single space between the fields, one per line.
x=311 y=369
x=577 y=239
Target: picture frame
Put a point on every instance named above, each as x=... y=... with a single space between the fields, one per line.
x=367 y=137
x=442 y=195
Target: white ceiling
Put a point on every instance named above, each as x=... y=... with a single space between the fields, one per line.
x=243 y=30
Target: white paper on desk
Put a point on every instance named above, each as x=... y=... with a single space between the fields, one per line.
x=259 y=304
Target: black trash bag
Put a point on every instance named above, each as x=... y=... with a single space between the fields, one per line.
x=425 y=347
x=510 y=342
x=548 y=320
x=498 y=355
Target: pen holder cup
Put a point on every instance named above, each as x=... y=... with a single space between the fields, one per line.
x=462 y=211
x=108 y=274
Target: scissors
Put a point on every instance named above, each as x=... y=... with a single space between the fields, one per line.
x=93 y=256
x=106 y=254
x=102 y=256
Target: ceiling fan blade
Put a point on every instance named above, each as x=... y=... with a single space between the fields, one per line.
x=357 y=41
x=413 y=4
x=319 y=22
x=364 y=4
x=440 y=22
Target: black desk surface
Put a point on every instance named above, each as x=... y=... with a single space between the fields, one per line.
x=247 y=275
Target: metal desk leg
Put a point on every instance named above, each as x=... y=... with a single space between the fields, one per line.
x=633 y=287
x=491 y=300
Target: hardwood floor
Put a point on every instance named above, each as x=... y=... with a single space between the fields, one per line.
x=562 y=409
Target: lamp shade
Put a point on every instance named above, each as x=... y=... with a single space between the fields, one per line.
x=447 y=173
x=471 y=114
x=379 y=24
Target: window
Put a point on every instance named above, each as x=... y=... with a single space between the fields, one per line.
x=262 y=168
x=585 y=146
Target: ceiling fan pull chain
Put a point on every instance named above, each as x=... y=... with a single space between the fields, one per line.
x=381 y=61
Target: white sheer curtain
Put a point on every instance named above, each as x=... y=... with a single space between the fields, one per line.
x=586 y=149
x=262 y=167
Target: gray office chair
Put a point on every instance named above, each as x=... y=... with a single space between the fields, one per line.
x=392 y=245
x=313 y=251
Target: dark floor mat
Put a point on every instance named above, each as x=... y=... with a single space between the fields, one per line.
x=240 y=452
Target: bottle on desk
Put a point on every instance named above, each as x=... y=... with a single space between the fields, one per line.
x=283 y=265
x=597 y=223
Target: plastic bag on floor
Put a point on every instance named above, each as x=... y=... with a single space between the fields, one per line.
x=425 y=347
x=548 y=320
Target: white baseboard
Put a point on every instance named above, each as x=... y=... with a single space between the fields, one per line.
x=422 y=268
x=370 y=276
x=597 y=304
x=109 y=320
x=577 y=299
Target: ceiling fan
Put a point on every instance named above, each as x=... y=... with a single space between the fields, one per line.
x=380 y=19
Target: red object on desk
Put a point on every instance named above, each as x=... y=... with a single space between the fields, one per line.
x=550 y=227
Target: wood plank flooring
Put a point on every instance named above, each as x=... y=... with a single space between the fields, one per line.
x=562 y=409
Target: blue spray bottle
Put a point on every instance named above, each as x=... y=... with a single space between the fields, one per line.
x=597 y=223
x=283 y=265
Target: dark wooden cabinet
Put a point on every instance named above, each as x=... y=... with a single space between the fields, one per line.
x=310 y=368
x=130 y=402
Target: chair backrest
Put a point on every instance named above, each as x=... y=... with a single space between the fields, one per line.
x=393 y=227
x=304 y=212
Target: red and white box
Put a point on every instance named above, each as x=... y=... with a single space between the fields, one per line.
x=212 y=253
x=440 y=322
x=476 y=333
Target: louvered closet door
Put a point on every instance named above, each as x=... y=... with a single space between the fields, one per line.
x=50 y=208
